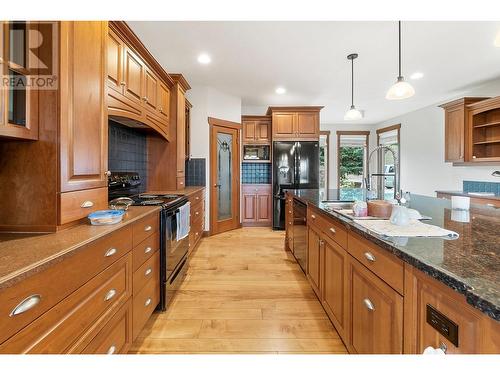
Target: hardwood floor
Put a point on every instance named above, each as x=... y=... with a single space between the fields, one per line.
x=243 y=294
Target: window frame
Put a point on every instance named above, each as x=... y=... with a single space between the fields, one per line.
x=340 y=133
x=387 y=129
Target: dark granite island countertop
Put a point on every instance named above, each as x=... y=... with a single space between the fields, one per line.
x=469 y=264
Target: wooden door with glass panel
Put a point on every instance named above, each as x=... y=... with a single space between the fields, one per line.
x=224 y=176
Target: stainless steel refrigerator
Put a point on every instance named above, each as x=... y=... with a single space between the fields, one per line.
x=295 y=166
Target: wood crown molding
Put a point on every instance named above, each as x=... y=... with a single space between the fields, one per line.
x=125 y=32
x=310 y=108
x=179 y=78
x=188 y=103
x=388 y=128
x=465 y=100
x=486 y=104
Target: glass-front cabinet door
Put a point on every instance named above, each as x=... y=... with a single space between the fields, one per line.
x=19 y=61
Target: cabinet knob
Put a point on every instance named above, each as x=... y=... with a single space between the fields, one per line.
x=111 y=349
x=110 y=252
x=145 y=98
x=26 y=304
x=110 y=294
x=369 y=304
x=123 y=83
x=107 y=173
x=313 y=217
x=87 y=204
x=370 y=257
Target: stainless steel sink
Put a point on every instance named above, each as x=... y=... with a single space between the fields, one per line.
x=338 y=205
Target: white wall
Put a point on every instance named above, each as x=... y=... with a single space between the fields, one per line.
x=423 y=169
x=209 y=102
x=332 y=148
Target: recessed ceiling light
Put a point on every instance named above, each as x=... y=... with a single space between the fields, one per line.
x=204 y=59
x=280 y=90
x=497 y=40
x=417 y=75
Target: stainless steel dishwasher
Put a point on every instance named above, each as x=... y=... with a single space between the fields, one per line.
x=300 y=233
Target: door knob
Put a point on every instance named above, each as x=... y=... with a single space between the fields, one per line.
x=217 y=185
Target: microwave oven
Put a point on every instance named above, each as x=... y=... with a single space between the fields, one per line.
x=257 y=152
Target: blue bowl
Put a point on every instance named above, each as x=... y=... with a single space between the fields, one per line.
x=106 y=217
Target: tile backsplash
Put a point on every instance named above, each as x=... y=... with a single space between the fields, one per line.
x=481 y=186
x=256 y=173
x=127 y=151
x=195 y=172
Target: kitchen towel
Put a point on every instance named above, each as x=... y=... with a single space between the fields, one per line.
x=414 y=229
x=182 y=218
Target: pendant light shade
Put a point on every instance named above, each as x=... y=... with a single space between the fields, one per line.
x=401 y=89
x=353 y=113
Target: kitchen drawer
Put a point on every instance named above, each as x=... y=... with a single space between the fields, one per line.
x=150 y=270
x=379 y=261
x=180 y=183
x=58 y=328
x=197 y=211
x=116 y=336
x=197 y=197
x=145 y=227
x=333 y=229
x=60 y=280
x=76 y=205
x=144 y=303
x=145 y=250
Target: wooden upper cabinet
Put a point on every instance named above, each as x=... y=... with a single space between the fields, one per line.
x=263 y=132
x=163 y=100
x=115 y=62
x=248 y=130
x=295 y=123
x=376 y=313
x=83 y=116
x=181 y=131
x=456 y=129
x=133 y=76
x=150 y=90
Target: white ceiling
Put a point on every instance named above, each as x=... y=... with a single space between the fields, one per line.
x=250 y=59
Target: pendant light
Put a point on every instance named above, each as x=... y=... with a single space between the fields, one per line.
x=401 y=89
x=352 y=114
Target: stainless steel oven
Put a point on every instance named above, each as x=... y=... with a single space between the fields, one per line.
x=257 y=152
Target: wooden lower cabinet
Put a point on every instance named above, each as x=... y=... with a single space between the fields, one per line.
x=289 y=222
x=335 y=296
x=256 y=205
x=376 y=313
x=314 y=250
x=197 y=220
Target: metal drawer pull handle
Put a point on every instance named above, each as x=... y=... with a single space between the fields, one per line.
x=110 y=252
x=370 y=256
x=333 y=230
x=196 y=213
x=111 y=349
x=148 y=228
x=313 y=217
x=197 y=198
x=87 y=204
x=110 y=294
x=148 y=271
x=26 y=304
x=123 y=83
x=369 y=304
x=148 y=302
x=148 y=249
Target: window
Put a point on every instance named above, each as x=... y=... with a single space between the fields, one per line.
x=389 y=136
x=324 y=159
x=352 y=156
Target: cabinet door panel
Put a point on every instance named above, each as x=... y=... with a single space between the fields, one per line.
x=262 y=132
x=263 y=207
x=133 y=76
x=454 y=135
x=377 y=313
x=307 y=124
x=313 y=260
x=248 y=131
x=150 y=90
x=163 y=100
x=249 y=208
x=284 y=125
x=335 y=298
x=115 y=62
x=84 y=125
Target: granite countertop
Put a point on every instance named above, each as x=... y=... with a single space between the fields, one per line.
x=23 y=254
x=469 y=264
x=468 y=194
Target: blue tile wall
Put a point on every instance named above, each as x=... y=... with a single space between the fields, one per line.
x=256 y=173
x=195 y=172
x=127 y=151
x=479 y=186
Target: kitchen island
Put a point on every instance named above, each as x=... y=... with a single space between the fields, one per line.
x=458 y=278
